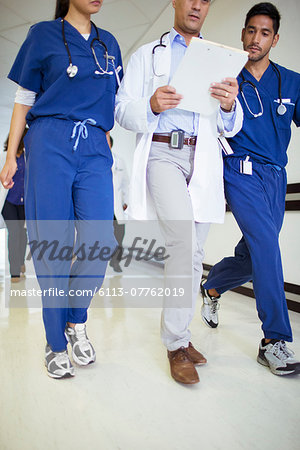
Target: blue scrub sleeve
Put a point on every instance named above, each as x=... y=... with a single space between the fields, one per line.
x=296 y=116
x=27 y=68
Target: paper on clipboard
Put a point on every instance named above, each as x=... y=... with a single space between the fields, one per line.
x=205 y=62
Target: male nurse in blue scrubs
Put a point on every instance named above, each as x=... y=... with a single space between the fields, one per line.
x=255 y=188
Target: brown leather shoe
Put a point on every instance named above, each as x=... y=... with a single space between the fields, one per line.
x=182 y=368
x=196 y=357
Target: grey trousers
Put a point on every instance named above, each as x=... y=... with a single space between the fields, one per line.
x=168 y=174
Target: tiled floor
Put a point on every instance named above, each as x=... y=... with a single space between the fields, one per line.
x=128 y=401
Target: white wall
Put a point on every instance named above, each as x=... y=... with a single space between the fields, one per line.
x=224 y=24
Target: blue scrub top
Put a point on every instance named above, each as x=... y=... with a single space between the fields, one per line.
x=266 y=138
x=41 y=64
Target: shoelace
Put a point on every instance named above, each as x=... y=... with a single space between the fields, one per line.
x=281 y=351
x=214 y=306
x=181 y=354
x=80 y=334
x=82 y=338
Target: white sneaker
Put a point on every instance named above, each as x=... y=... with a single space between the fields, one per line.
x=83 y=352
x=278 y=358
x=58 y=364
x=209 y=309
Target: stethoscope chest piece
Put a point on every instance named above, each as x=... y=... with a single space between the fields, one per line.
x=72 y=70
x=281 y=110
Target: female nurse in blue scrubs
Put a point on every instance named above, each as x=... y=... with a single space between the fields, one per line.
x=68 y=72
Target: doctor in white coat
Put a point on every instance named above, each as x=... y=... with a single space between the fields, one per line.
x=171 y=184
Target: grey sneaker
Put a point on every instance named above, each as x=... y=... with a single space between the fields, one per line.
x=82 y=350
x=278 y=358
x=209 y=309
x=58 y=364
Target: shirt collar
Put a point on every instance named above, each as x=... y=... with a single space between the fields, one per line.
x=174 y=34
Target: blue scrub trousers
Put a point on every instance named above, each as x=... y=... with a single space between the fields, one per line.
x=67 y=189
x=257 y=202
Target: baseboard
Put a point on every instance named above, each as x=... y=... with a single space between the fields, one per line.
x=292 y=291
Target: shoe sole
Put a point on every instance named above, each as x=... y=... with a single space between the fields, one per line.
x=58 y=377
x=80 y=363
x=280 y=373
x=184 y=382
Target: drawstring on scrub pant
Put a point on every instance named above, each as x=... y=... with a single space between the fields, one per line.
x=81 y=130
x=276 y=169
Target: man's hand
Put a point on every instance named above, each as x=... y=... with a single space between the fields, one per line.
x=226 y=92
x=7 y=173
x=164 y=98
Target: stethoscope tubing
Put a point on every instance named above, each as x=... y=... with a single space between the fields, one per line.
x=281 y=110
x=72 y=70
x=161 y=44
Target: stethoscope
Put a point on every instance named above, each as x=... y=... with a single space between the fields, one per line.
x=281 y=110
x=161 y=44
x=72 y=69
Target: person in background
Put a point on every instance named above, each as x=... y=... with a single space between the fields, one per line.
x=255 y=188
x=121 y=184
x=13 y=214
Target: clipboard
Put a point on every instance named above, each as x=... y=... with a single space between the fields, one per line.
x=205 y=62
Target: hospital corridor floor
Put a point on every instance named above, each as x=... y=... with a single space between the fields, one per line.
x=127 y=400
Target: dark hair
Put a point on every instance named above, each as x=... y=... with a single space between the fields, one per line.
x=62 y=8
x=265 y=9
x=21 y=144
x=111 y=141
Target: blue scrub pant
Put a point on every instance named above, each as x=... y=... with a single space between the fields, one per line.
x=67 y=189
x=258 y=204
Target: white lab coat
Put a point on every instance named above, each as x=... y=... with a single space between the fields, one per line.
x=121 y=185
x=206 y=185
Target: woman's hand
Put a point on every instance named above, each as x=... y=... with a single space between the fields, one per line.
x=18 y=122
x=7 y=173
